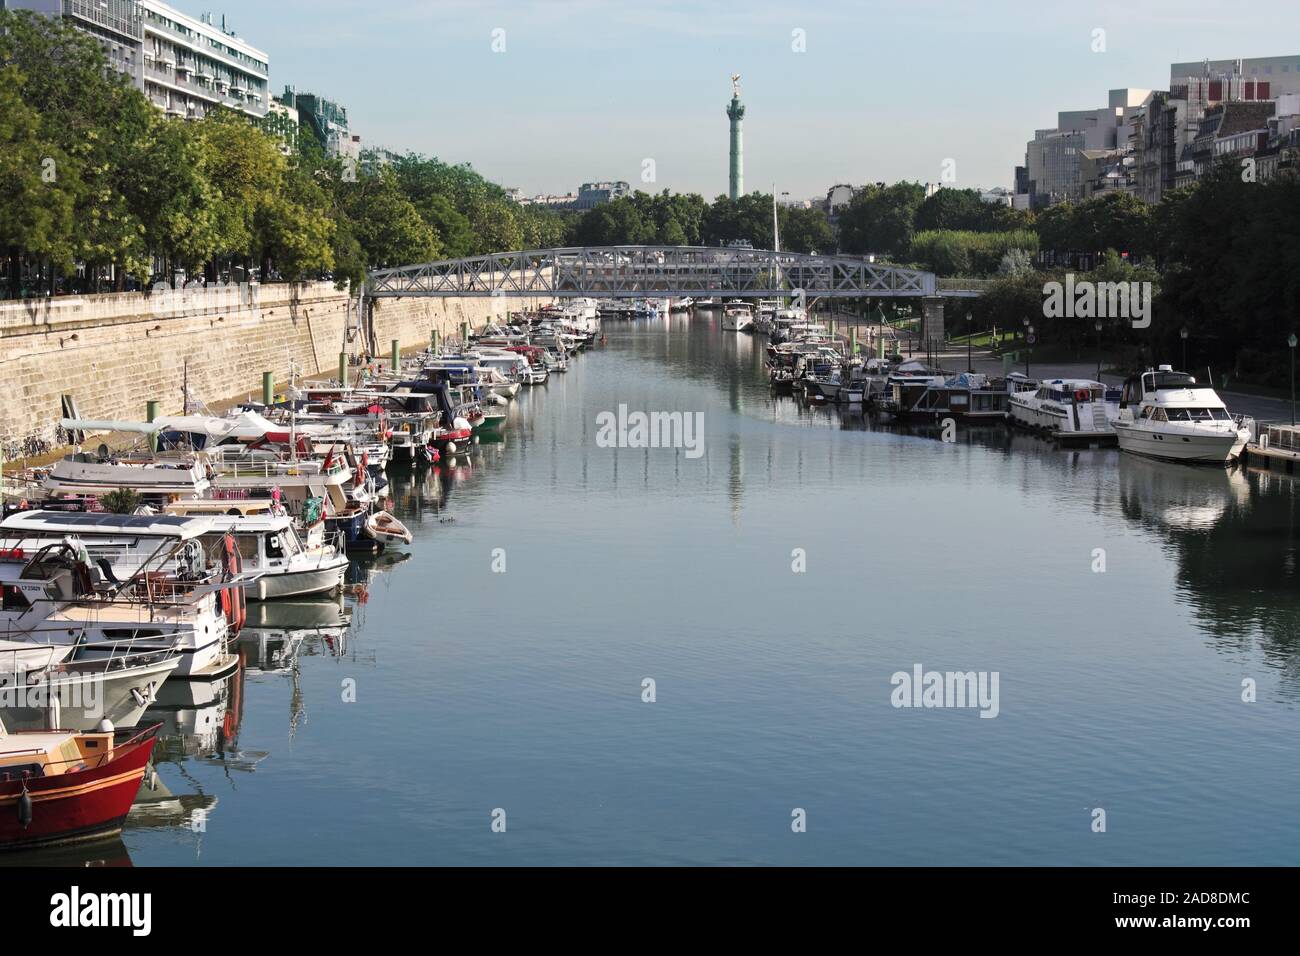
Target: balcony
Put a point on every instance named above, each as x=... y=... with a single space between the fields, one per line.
x=92 y=11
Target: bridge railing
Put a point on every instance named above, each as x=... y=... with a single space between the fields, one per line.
x=630 y=271
x=957 y=285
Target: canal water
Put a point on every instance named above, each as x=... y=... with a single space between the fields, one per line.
x=770 y=586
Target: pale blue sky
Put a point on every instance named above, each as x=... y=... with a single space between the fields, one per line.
x=587 y=90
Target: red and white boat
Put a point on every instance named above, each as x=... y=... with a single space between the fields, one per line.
x=62 y=787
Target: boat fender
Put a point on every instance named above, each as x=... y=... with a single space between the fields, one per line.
x=25 y=808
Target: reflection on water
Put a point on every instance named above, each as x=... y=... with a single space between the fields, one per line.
x=385 y=726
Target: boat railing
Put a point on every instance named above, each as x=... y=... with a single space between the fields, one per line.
x=121 y=654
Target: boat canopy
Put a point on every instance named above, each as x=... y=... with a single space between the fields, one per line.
x=245 y=425
x=93 y=523
x=95 y=425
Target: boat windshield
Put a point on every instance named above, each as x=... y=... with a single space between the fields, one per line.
x=1198 y=415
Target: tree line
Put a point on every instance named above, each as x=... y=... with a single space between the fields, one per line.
x=99 y=190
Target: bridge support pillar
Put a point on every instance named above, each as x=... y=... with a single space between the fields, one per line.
x=932 y=331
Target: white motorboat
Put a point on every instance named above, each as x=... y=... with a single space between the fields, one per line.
x=737 y=316
x=60 y=594
x=50 y=685
x=1167 y=415
x=277 y=561
x=87 y=472
x=1067 y=409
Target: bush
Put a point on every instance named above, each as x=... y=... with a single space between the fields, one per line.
x=123 y=501
x=950 y=252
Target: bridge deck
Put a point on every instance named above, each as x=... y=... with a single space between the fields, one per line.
x=621 y=272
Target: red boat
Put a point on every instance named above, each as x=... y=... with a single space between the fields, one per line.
x=63 y=787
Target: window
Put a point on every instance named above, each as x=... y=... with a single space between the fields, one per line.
x=15 y=600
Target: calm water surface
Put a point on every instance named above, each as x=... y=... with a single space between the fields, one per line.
x=522 y=690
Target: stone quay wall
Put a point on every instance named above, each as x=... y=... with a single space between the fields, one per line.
x=115 y=353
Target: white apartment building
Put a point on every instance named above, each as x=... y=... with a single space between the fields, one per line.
x=194 y=64
x=185 y=65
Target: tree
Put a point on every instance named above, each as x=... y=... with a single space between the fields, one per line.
x=383 y=222
x=953 y=209
x=806 y=230
x=881 y=219
x=1015 y=263
x=36 y=203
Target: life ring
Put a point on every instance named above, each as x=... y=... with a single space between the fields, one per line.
x=1081 y=395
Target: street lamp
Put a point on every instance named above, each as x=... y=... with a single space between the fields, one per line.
x=1097 y=325
x=970 y=365
x=1291 y=340
x=1029 y=340
x=1182 y=334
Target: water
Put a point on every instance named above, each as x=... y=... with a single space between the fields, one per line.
x=522 y=690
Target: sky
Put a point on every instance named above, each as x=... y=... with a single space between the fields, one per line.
x=544 y=95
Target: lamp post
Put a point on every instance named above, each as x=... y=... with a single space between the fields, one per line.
x=1027 y=333
x=1097 y=325
x=1291 y=340
x=970 y=365
x=1182 y=334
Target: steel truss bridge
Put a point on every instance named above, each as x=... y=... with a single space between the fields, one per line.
x=621 y=272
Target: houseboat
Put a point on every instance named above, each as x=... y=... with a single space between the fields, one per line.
x=1067 y=409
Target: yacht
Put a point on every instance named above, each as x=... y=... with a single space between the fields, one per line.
x=1167 y=415
x=96 y=473
x=61 y=594
x=1067 y=409
x=738 y=316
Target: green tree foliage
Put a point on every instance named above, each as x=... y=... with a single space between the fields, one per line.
x=881 y=219
x=1015 y=262
x=36 y=206
x=961 y=252
x=1116 y=221
x=1231 y=250
x=806 y=230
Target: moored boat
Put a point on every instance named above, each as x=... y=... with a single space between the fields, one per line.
x=1066 y=409
x=60 y=786
x=1169 y=415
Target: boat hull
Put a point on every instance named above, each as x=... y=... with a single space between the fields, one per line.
x=80 y=805
x=85 y=699
x=1204 y=449
x=326 y=577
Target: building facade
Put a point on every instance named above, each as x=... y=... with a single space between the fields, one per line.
x=323 y=119
x=185 y=65
x=117 y=25
x=591 y=195
x=192 y=66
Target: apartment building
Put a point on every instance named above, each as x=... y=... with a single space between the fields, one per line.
x=193 y=65
x=184 y=65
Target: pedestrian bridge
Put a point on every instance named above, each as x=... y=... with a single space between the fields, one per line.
x=661 y=271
